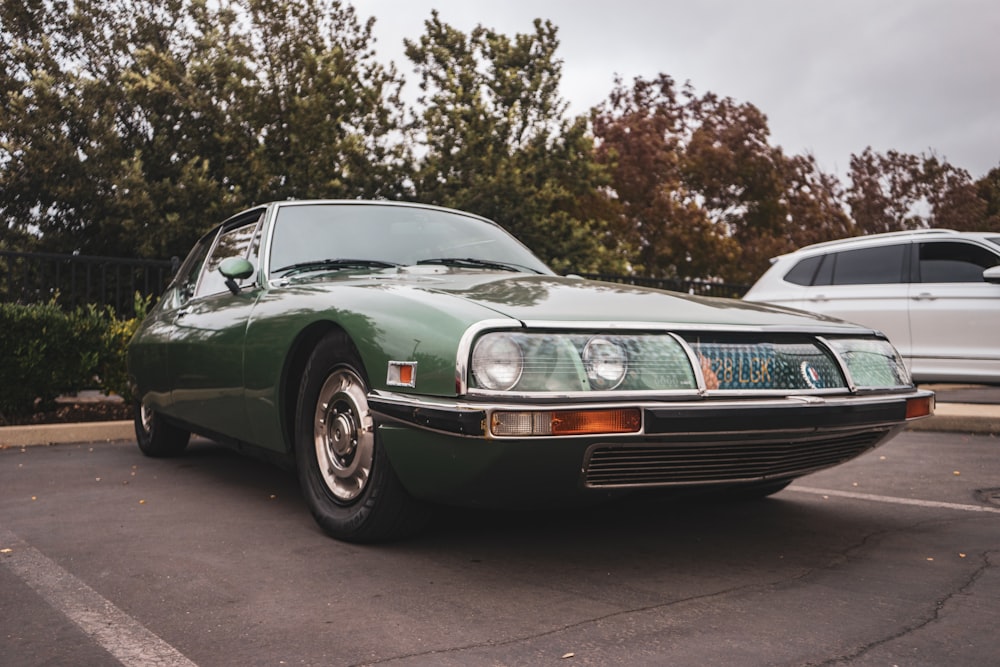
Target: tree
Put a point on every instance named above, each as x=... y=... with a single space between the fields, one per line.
x=900 y=191
x=325 y=112
x=703 y=192
x=642 y=134
x=497 y=142
x=130 y=126
x=988 y=190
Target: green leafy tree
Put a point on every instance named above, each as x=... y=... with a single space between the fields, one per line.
x=326 y=112
x=497 y=142
x=128 y=127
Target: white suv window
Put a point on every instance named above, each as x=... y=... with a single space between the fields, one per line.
x=954 y=262
x=865 y=266
x=870 y=266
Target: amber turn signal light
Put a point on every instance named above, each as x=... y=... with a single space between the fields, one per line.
x=566 y=422
x=919 y=407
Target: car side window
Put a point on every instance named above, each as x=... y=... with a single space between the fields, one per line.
x=187 y=275
x=869 y=266
x=954 y=262
x=236 y=242
x=803 y=272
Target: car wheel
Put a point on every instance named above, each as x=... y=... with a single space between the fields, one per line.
x=346 y=477
x=157 y=437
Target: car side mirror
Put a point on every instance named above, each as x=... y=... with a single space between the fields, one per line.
x=235 y=268
x=992 y=275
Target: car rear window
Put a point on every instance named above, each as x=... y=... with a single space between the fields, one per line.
x=803 y=272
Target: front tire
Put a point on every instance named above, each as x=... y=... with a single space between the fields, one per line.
x=155 y=436
x=345 y=475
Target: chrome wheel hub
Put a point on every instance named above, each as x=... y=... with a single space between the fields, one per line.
x=146 y=418
x=343 y=435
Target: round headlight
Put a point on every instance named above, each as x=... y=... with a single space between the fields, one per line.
x=605 y=362
x=497 y=362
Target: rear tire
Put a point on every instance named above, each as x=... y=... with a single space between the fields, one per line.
x=155 y=436
x=345 y=475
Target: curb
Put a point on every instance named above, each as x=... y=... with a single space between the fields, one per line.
x=961 y=418
x=57 y=434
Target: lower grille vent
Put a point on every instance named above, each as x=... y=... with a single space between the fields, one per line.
x=662 y=464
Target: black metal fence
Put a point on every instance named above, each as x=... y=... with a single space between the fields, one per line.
x=697 y=287
x=75 y=280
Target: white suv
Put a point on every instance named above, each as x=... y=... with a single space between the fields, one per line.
x=935 y=293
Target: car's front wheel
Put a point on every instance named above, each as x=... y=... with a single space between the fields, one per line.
x=156 y=436
x=346 y=477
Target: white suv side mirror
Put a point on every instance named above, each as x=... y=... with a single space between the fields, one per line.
x=992 y=275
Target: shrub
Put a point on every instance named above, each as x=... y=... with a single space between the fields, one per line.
x=46 y=351
x=113 y=367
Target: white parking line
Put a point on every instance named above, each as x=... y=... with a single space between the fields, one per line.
x=117 y=632
x=893 y=500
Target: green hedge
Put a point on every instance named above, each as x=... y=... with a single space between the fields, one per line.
x=46 y=351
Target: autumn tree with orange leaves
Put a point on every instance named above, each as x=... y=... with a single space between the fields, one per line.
x=702 y=191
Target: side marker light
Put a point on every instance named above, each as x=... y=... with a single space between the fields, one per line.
x=919 y=407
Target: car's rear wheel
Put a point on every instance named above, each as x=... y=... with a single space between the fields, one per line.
x=156 y=436
x=346 y=477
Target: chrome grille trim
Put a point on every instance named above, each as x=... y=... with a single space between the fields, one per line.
x=724 y=459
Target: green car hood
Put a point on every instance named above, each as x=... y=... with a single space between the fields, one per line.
x=557 y=300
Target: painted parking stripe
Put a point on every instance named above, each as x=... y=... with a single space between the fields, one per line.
x=118 y=633
x=893 y=500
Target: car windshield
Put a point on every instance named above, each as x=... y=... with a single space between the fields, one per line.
x=319 y=236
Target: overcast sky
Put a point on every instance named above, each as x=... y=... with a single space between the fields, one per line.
x=833 y=77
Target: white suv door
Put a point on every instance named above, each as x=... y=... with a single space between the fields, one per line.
x=866 y=286
x=954 y=312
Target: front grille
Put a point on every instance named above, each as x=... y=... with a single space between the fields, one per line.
x=684 y=463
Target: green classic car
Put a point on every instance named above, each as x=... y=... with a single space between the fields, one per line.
x=402 y=355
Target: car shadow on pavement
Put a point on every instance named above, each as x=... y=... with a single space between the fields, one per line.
x=686 y=532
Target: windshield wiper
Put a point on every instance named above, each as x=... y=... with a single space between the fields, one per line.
x=324 y=264
x=472 y=262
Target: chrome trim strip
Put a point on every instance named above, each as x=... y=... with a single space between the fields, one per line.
x=464 y=409
x=699 y=375
x=640 y=327
x=463 y=355
x=851 y=385
x=665 y=394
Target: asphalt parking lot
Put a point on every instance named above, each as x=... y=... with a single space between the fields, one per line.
x=109 y=558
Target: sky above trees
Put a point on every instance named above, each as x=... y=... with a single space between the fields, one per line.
x=832 y=77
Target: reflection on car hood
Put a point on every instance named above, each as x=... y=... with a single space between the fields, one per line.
x=557 y=299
